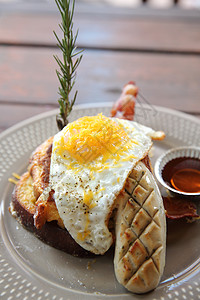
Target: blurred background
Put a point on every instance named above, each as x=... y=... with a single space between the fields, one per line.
x=154 y=42
x=187 y=4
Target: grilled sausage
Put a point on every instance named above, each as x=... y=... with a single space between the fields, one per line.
x=140 y=233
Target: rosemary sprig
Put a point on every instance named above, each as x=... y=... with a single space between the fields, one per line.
x=71 y=60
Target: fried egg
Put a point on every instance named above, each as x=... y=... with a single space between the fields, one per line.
x=91 y=160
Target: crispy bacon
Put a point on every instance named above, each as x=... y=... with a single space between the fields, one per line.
x=124 y=108
x=177 y=208
x=46 y=211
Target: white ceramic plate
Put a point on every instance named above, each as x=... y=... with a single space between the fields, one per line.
x=29 y=269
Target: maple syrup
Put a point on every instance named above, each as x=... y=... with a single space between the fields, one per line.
x=183 y=174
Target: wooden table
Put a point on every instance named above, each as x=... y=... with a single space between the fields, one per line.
x=159 y=49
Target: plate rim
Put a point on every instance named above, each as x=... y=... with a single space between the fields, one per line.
x=52 y=112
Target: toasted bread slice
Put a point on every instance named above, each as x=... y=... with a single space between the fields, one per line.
x=39 y=166
x=23 y=207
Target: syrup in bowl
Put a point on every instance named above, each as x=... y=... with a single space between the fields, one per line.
x=178 y=171
x=183 y=174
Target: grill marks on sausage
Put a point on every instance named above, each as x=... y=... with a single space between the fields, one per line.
x=139 y=228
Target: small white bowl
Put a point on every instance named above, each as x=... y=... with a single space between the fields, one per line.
x=193 y=152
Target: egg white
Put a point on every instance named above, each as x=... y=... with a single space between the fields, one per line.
x=85 y=198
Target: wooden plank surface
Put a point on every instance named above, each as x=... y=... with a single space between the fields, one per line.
x=159 y=50
x=28 y=76
x=145 y=33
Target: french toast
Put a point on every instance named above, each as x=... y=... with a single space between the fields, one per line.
x=39 y=215
x=39 y=165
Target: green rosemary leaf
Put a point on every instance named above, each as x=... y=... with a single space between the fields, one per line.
x=69 y=64
x=60 y=45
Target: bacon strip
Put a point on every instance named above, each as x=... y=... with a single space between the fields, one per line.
x=46 y=211
x=124 y=108
x=177 y=208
